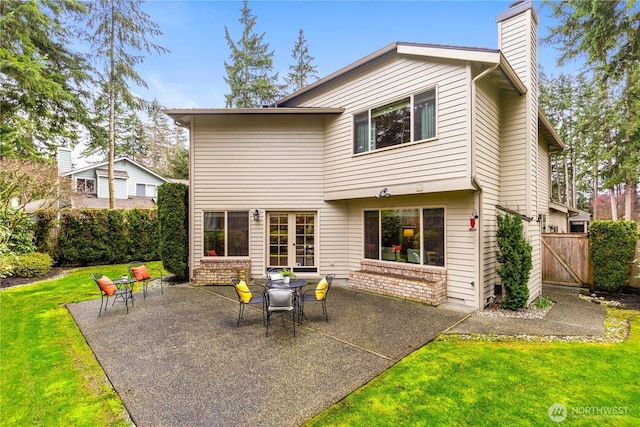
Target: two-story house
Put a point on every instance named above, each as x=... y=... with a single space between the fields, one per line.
x=388 y=173
x=135 y=186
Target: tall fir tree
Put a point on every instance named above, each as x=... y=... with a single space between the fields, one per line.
x=606 y=34
x=249 y=72
x=42 y=81
x=120 y=30
x=303 y=71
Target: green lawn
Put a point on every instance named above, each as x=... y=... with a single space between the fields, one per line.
x=463 y=383
x=49 y=376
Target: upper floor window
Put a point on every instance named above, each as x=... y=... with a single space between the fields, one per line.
x=409 y=119
x=149 y=190
x=85 y=185
x=226 y=233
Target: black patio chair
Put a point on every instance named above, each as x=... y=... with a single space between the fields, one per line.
x=245 y=296
x=280 y=300
x=116 y=289
x=317 y=294
x=139 y=271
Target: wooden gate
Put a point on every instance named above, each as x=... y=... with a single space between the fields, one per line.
x=565 y=259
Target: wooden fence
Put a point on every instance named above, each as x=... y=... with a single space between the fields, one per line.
x=565 y=260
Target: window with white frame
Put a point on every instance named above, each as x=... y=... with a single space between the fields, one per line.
x=85 y=185
x=226 y=233
x=149 y=190
x=409 y=119
x=414 y=235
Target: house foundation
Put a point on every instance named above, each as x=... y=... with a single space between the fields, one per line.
x=219 y=271
x=406 y=281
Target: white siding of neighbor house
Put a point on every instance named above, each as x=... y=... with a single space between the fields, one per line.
x=273 y=164
x=119 y=190
x=137 y=175
x=460 y=243
x=434 y=165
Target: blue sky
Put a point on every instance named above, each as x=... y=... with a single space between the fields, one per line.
x=338 y=33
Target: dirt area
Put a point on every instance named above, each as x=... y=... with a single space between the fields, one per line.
x=627 y=301
x=8 y=282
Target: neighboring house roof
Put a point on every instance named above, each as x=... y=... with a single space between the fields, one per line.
x=89 y=201
x=562 y=208
x=101 y=167
x=581 y=216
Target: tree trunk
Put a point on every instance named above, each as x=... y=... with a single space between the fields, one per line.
x=614 y=203
x=112 y=113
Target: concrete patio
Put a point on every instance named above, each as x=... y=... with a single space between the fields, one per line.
x=180 y=358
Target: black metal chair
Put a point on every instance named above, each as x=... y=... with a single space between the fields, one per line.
x=245 y=296
x=280 y=300
x=317 y=294
x=116 y=289
x=139 y=271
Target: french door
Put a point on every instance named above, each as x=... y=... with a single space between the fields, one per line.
x=292 y=240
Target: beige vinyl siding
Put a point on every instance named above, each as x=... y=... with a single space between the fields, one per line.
x=274 y=164
x=487 y=171
x=444 y=158
x=518 y=40
x=460 y=243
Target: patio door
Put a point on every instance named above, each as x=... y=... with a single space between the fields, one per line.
x=292 y=240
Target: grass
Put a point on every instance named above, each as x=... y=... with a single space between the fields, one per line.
x=49 y=376
x=458 y=383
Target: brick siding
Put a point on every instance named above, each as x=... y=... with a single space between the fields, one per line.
x=219 y=271
x=416 y=283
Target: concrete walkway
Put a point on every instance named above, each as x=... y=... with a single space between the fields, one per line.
x=180 y=358
x=570 y=316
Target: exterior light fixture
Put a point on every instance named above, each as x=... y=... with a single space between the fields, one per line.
x=256 y=214
x=383 y=193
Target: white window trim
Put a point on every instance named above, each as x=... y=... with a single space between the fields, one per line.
x=382 y=104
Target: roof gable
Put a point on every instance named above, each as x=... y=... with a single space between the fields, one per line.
x=103 y=165
x=482 y=56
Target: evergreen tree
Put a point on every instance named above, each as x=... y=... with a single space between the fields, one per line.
x=160 y=139
x=514 y=255
x=606 y=34
x=42 y=82
x=250 y=67
x=121 y=29
x=303 y=70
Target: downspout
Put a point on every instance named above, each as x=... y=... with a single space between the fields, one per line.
x=477 y=197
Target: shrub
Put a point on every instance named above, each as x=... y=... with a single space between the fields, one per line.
x=172 y=214
x=33 y=264
x=515 y=256
x=613 y=246
x=107 y=236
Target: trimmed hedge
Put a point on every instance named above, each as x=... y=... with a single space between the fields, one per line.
x=102 y=236
x=173 y=218
x=613 y=247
